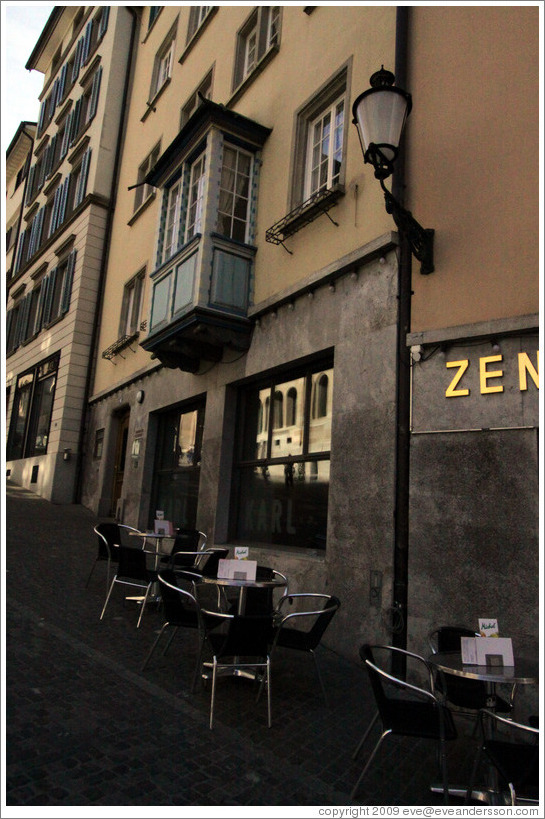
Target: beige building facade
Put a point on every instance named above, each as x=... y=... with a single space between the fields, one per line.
x=56 y=268
x=268 y=364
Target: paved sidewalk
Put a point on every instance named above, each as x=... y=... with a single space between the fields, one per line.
x=86 y=727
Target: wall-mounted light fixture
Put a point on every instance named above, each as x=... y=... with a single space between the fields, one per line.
x=67 y=454
x=379 y=116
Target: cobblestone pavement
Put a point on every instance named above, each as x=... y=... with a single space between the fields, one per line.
x=85 y=726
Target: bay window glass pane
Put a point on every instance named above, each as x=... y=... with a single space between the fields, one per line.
x=161 y=300
x=196 y=196
x=288 y=506
x=185 y=279
x=320 y=415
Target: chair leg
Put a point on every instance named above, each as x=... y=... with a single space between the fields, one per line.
x=367 y=764
x=268 y=673
x=212 y=698
x=317 y=667
x=170 y=639
x=108 y=596
x=152 y=649
x=144 y=604
x=90 y=573
x=364 y=737
x=198 y=666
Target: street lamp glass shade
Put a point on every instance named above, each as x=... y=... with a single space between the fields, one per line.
x=380 y=115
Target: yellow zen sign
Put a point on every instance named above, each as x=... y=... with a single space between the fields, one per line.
x=488 y=377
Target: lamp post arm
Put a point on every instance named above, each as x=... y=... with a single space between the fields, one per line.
x=420 y=239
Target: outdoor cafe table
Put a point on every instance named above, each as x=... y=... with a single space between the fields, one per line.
x=273 y=580
x=524 y=672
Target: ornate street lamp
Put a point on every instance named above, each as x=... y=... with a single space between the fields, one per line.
x=379 y=116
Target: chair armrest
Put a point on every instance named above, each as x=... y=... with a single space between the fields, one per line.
x=403 y=683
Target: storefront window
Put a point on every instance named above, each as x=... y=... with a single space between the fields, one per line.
x=32 y=409
x=177 y=472
x=283 y=467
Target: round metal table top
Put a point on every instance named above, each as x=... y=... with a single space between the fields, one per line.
x=524 y=671
x=258 y=583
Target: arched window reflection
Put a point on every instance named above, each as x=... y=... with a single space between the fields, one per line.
x=291 y=407
x=278 y=410
x=319 y=405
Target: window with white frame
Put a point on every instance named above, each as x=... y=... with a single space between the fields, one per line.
x=172 y=221
x=131 y=305
x=197 y=16
x=320 y=140
x=325 y=149
x=234 y=194
x=204 y=90
x=259 y=35
x=164 y=59
x=196 y=195
x=143 y=192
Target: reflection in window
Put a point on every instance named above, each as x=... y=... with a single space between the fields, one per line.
x=32 y=410
x=178 y=461
x=283 y=466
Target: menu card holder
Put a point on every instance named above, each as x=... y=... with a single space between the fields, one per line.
x=237 y=569
x=490 y=651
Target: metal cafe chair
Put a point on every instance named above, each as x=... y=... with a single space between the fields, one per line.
x=242 y=647
x=132 y=570
x=466 y=696
x=303 y=629
x=513 y=750
x=186 y=540
x=405 y=708
x=109 y=537
x=181 y=610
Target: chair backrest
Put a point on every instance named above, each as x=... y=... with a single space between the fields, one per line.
x=132 y=564
x=189 y=540
x=383 y=682
x=248 y=635
x=514 y=750
x=180 y=606
x=319 y=612
x=208 y=566
x=447 y=638
x=109 y=537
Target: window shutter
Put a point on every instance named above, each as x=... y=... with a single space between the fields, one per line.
x=49 y=157
x=30 y=184
x=86 y=42
x=41 y=117
x=9 y=318
x=19 y=256
x=41 y=303
x=66 y=135
x=104 y=21
x=55 y=211
x=77 y=61
x=24 y=314
x=74 y=127
x=67 y=285
x=62 y=83
x=93 y=102
x=36 y=232
x=82 y=181
x=48 y=298
x=63 y=199
x=53 y=99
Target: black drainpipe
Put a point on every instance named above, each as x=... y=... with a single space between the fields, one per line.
x=402 y=452
x=104 y=261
